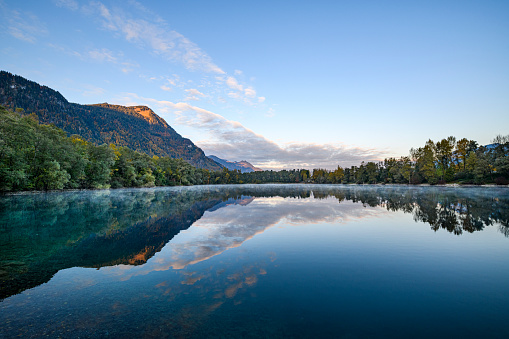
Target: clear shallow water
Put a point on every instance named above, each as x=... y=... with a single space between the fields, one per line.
x=256 y=261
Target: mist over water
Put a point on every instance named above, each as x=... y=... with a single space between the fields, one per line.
x=256 y=260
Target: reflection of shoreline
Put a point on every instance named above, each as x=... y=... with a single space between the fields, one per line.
x=45 y=233
x=131 y=246
x=339 y=186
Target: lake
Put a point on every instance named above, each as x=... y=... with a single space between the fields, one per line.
x=301 y=261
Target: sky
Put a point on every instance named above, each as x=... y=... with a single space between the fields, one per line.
x=281 y=84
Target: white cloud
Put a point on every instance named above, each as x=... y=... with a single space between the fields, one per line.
x=261 y=99
x=250 y=92
x=234 y=95
x=233 y=84
x=241 y=92
x=165 y=88
x=156 y=36
x=193 y=94
x=231 y=140
x=194 y=91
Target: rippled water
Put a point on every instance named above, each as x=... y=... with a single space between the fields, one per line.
x=256 y=261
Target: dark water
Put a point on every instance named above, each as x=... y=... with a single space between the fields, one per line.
x=256 y=261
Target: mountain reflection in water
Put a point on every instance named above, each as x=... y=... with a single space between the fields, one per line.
x=42 y=234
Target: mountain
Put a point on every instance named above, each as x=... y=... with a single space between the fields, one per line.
x=136 y=127
x=243 y=165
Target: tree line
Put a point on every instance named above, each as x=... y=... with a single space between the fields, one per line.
x=35 y=156
x=448 y=160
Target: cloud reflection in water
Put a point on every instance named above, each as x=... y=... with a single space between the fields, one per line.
x=232 y=225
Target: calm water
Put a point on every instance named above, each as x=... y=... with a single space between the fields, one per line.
x=256 y=261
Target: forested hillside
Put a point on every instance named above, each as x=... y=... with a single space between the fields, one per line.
x=138 y=127
x=36 y=156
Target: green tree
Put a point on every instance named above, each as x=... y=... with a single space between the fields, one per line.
x=52 y=176
x=101 y=159
x=443 y=151
x=461 y=152
x=426 y=162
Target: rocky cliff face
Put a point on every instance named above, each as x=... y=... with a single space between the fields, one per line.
x=142 y=112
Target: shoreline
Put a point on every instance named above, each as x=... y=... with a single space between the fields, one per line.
x=269 y=183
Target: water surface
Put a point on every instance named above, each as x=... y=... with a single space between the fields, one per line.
x=256 y=261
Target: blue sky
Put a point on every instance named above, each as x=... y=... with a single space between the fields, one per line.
x=281 y=84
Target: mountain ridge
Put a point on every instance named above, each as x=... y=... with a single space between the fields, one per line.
x=143 y=112
x=243 y=165
x=135 y=127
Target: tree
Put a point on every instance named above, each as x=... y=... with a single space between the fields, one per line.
x=426 y=162
x=99 y=167
x=501 y=139
x=461 y=152
x=406 y=168
x=371 y=172
x=482 y=168
x=443 y=151
x=51 y=176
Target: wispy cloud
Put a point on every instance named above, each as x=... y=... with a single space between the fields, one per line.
x=233 y=84
x=102 y=55
x=99 y=55
x=245 y=93
x=157 y=37
x=234 y=95
x=135 y=24
x=92 y=91
x=193 y=94
x=24 y=26
x=250 y=92
x=69 y=4
x=231 y=140
x=66 y=50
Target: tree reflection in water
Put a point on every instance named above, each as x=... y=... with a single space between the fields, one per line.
x=43 y=233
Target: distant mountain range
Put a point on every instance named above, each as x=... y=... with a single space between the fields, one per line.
x=243 y=165
x=136 y=127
